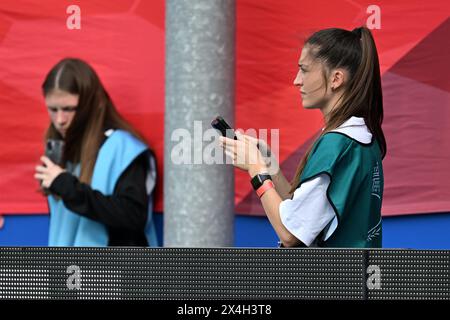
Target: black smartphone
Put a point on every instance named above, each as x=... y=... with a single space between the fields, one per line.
x=220 y=124
x=54 y=150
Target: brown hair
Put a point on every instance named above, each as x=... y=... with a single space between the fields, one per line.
x=356 y=52
x=95 y=113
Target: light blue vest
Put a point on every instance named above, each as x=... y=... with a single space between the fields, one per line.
x=116 y=154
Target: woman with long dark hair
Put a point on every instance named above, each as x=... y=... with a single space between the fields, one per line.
x=101 y=193
x=335 y=197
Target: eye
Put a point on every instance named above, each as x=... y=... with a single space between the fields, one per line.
x=69 y=109
x=51 y=109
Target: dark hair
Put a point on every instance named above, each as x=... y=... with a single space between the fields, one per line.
x=95 y=113
x=356 y=52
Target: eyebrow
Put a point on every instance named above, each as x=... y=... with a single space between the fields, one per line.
x=302 y=65
x=59 y=106
x=63 y=107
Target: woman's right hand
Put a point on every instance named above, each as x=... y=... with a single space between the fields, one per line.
x=47 y=172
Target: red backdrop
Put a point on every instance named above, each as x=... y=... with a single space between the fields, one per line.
x=124 y=41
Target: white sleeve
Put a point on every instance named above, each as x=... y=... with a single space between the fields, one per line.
x=309 y=211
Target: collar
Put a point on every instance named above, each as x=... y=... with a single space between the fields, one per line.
x=355 y=128
x=109 y=132
x=353 y=121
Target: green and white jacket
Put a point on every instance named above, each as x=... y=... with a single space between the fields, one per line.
x=338 y=200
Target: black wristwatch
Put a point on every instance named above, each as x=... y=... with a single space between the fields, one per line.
x=258 y=180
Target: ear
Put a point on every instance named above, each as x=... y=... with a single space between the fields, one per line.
x=338 y=78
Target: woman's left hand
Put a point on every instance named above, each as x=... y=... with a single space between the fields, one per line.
x=48 y=172
x=244 y=154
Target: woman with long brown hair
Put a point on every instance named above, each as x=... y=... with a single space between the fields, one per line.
x=335 y=197
x=101 y=192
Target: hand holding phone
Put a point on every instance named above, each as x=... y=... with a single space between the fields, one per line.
x=51 y=167
x=220 y=124
x=54 y=150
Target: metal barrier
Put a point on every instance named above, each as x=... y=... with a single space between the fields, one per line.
x=222 y=273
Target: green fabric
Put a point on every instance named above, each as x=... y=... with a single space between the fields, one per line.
x=355 y=191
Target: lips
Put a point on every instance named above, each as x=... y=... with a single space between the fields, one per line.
x=62 y=131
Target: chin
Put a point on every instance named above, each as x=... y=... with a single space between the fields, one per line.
x=305 y=104
x=308 y=106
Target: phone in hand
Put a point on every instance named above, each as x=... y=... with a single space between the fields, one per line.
x=54 y=150
x=220 y=124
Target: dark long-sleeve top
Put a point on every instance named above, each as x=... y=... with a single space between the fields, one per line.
x=124 y=213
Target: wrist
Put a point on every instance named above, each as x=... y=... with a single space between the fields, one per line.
x=259 y=180
x=266 y=186
x=61 y=184
x=257 y=169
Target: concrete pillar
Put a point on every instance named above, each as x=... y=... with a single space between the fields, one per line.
x=200 y=64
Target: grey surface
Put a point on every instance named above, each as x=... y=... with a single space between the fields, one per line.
x=180 y=273
x=200 y=62
x=222 y=273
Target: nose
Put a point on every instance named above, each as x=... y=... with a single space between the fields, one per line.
x=61 y=117
x=298 y=81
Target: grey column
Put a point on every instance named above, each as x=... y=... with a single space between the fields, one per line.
x=200 y=62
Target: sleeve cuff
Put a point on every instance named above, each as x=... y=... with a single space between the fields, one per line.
x=62 y=184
